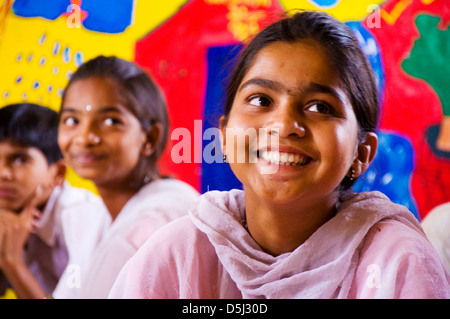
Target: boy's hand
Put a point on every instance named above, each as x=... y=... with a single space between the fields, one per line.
x=15 y=229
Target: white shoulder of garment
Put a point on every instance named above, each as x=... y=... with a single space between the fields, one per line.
x=161 y=201
x=437 y=227
x=102 y=247
x=63 y=198
x=47 y=255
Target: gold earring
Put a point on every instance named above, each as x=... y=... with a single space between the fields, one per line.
x=352 y=174
x=147 y=178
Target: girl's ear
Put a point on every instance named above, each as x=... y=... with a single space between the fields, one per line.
x=366 y=153
x=58 y=169
x=153 y=136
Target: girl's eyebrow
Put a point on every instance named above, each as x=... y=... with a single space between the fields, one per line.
x=313 y=87
x=269 y=84
x=68 y=109
x=319 y=88
x=105 y=109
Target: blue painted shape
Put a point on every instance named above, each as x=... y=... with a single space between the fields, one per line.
x=48 y=9
x=371 y=49
x=109 y=16
x=217 y=176
x=325 y=3
x=78 y=58
x=391 y=171
x=56 y=48
x=42 y=39
x=66 y=55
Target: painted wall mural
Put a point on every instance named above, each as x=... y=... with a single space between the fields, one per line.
x=188 y=47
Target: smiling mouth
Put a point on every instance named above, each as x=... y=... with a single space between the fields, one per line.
x=87 y=159
x=284 y=158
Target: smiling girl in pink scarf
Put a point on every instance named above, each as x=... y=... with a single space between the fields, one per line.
x=296 y=230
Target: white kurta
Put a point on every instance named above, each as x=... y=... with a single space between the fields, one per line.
x=46 y=253
x=437 y=227
x=98 y=248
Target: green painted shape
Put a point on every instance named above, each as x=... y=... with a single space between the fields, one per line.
x=430 y=58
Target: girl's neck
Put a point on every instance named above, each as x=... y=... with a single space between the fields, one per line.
x=114 y=200
x=116 y=195
x=282 y=228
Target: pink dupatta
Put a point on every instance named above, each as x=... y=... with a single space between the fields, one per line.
x=322 y=267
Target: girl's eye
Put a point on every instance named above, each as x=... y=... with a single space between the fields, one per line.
x=260 y=101
x=110 y=121
x=320 y=107
x=70 y=121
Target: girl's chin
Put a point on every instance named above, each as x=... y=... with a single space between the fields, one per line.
x=278 y=196
x=93 y=176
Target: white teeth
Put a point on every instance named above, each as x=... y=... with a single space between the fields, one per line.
x=275 y=156
x=284 y=158
x=291 y=158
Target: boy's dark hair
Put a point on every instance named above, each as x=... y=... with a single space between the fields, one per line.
x=31 y=125
x=342 y=46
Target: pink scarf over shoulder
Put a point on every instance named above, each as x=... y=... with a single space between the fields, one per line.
x=326 y=265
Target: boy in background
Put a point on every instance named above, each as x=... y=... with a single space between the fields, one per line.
x=33 y=197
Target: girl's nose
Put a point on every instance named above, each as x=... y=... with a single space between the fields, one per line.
x=287 y=122
x=87 y=135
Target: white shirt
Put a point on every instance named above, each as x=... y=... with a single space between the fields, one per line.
x=98 y=249
x=437 y=228
x=46 y=252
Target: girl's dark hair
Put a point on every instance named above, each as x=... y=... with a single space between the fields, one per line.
x=31 y=125
x=342 y=46
x=142 y=95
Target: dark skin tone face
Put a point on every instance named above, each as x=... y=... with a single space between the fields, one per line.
x=302 y=101
x=102 y=140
